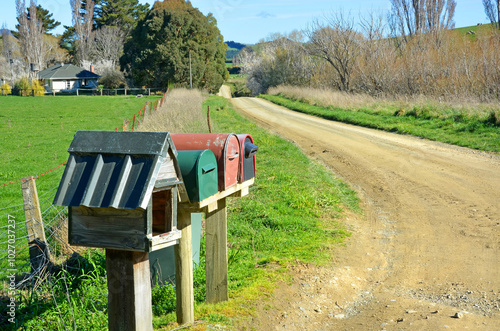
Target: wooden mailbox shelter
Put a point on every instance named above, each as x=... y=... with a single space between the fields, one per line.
x=121 y=190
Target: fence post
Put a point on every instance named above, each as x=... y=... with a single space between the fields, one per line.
x=208 y=120
x=77 y=92
x=38 y=249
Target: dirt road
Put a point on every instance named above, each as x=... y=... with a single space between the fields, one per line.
x=426 y=253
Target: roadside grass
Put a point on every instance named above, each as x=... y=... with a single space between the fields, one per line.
x=291 y=213
x=477 y=129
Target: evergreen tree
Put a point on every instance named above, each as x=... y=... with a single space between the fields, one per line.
x=44 y=16
x=158 y=52
x=123 y=14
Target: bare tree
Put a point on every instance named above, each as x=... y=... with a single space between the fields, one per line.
x=82 y=21
x=338 y=44
x=412 y=17
x=492 y=11
x=108 y=45
x=31 y=39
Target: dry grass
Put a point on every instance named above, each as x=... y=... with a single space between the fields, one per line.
x=181 y=112
x=356 y=101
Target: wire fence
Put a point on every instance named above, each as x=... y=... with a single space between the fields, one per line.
x=138 y=117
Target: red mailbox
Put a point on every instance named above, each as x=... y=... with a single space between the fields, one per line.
x=225 y=147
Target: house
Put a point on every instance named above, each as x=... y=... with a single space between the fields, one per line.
x=68 y=77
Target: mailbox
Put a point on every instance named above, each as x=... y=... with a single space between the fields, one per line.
x=248 y=151
x=121 y=190
x=225 y=147
x=199 y=171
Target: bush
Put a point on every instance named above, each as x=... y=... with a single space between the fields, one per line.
x=5 y=89
x=112 y=79
x=24 y=88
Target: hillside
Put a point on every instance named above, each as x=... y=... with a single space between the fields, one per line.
x=234 y=48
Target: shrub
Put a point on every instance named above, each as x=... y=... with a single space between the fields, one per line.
x=21 y=87
x=24 y=88
x=5 y=89
x=112 y=79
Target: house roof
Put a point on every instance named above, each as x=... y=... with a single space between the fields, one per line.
x=66 y=71
x=117 y=169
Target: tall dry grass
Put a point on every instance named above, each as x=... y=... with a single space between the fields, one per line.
x=182 y=112
x=355 y=101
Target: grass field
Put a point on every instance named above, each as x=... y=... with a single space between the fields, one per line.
x=292 y=212
x=35 y=134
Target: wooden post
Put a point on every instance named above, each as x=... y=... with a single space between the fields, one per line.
x=101 y=92
x=38 y=249
x=129 y=291
x=77 y=92
x=184 y=268
x=125 y=92
x=125 y=124
x=216 y=254
x=208 y=120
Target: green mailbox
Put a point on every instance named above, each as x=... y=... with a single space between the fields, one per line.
x=199 y=171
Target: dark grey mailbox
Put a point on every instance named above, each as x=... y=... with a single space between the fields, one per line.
x=121 y=190
x=248 y=151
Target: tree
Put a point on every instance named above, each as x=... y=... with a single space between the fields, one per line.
x=45 y=17
x=413 y=17
x=162 y=44
x=31 y=31
x=492 y=10
x=280 y=61
x=338 y=44
x=108 y=44
x=119 y=13
x=83 y=24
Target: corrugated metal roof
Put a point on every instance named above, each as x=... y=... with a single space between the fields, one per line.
x=115 y=169
x=66 y=71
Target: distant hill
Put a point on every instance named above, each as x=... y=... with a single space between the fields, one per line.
x=234 y=44
x=234 y=48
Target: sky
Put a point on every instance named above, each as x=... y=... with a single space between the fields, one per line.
x=249 y=21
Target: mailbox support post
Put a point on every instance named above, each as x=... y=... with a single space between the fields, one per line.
x=216 y=254
x=129 y=291
x=184 y=268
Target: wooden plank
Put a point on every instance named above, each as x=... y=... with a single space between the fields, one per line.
x=129 y=291
x=233 y=190
x=38 y=249
x=184 y=268
x=165 y=240
x=216 y=254
x=108 y=228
